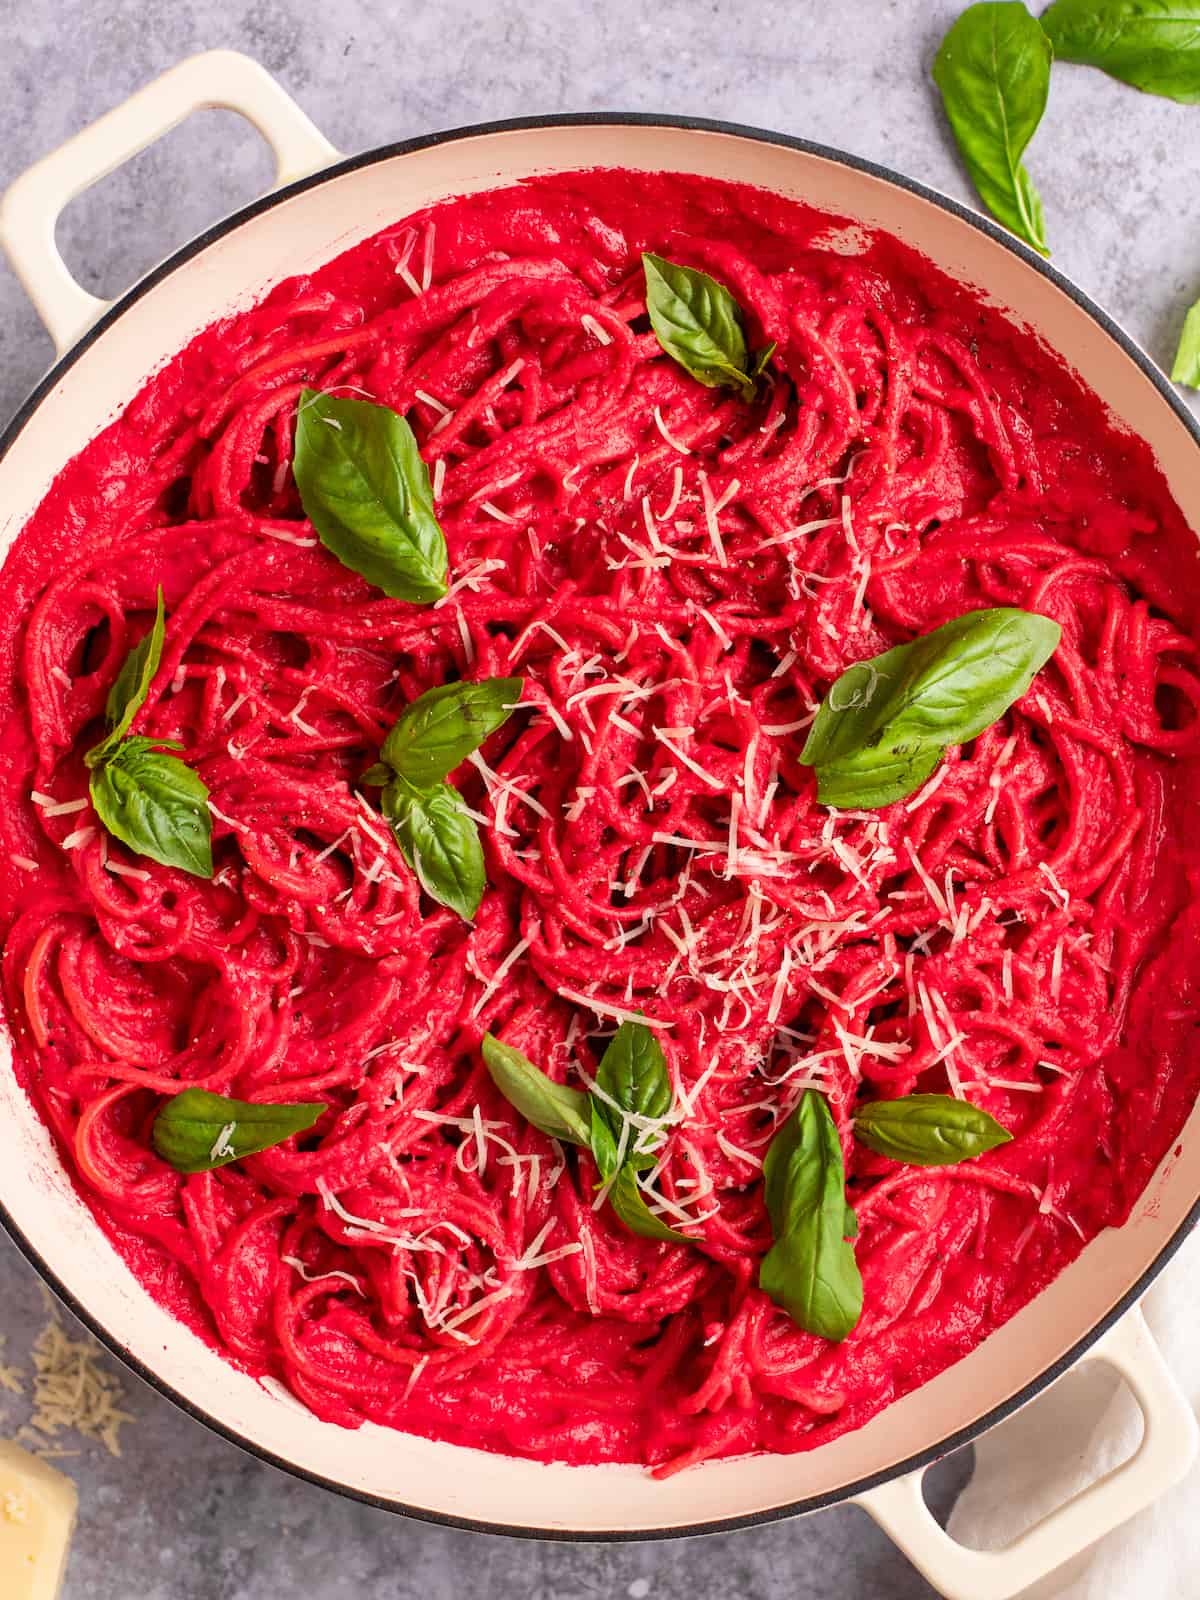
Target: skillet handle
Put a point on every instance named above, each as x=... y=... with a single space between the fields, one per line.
x=1166 y=1452
x=31 y=206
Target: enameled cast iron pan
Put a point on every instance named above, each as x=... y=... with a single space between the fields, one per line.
x=322 y=206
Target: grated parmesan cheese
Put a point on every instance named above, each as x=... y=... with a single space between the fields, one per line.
x=72 y=1389
x=664 y=738
x=65 y=808
x=667 y=435
x=603 y=1009
x=596 y=329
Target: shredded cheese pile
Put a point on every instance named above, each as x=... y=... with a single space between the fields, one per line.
x=74 y=1390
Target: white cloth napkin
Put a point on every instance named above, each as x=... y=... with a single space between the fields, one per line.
x=1079 y=1429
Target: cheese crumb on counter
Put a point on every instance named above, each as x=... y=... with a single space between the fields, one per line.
x=11 y=1378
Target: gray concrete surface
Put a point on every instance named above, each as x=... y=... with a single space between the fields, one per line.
x=184 y=1516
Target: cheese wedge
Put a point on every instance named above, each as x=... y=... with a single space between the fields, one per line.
x=37 y=1513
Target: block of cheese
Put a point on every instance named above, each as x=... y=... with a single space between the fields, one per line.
x=37 y=1513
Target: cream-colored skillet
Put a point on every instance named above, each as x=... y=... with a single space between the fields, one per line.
x=322 y=206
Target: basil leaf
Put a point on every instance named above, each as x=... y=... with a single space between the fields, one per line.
x=698 y=324
x=1152 y=44
x=377 y=776
x=633 y=1073
x=928 y=1130
x=602 y=1139
x=810 y=1270
x=630 y=1206
x=624 y=1196
x=993 y=70
x=440 y=842
x=762 y=359
x=1187 y=357
x=554 y=1109
x=881 y=728
x=197 y=1131
x=156 y=805
x=850 y=1226
x=366 y=490
x=442 y=727
x=128 y=693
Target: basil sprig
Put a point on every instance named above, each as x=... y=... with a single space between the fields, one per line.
x=196 y=1131
x=631 y=1081
x=882 y=727
x=700 y=325
x=993 y=70
x=437 y=835
x=148 y=799
x=366 y=490
x=928 y=1130
x=810 y=1270
x=1152 y=44
x=1186 y=368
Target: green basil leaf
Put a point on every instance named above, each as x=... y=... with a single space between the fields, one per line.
x=993 y=70
x=156 y=805
x=580 y=1119
x=850 y=1228
x=928 y=1130
x=810 y=1270
x=440 y=842
x=633 y=1073
x=554 y=1109
x=624 y=1196
x=442 y=727
x=888 y=777
x=128 y=693
x=1152 y=44
x=603 y=1139
x=366 y=490
x=699 y=324
x=630 y=1206
x=377 y=776
x=197 y=1131
x=762 y=359
x=1187 y=357
x=882 y=727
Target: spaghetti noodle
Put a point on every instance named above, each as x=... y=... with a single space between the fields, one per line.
x=677 y=574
